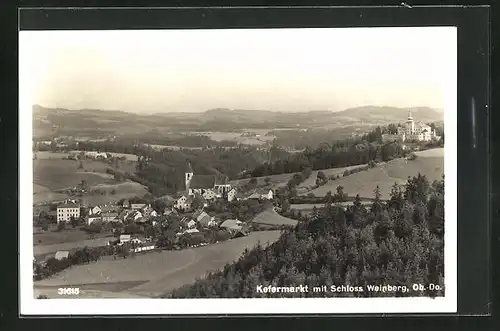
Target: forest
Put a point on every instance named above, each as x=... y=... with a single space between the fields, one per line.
x=399 y=243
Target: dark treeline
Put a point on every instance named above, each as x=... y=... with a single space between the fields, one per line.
x=399 y=242
x=340 y=154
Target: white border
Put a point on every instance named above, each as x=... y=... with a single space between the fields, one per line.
x=31 y=306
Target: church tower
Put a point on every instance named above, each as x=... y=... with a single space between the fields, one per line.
x=188 y=175
x=410 y=125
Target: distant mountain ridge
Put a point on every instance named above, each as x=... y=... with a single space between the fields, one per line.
x=44 y=119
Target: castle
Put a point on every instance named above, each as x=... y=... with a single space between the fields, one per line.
x=412 y=131
x=209 y=186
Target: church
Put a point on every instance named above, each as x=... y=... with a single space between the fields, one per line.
x=209 y=186
x=413 y=131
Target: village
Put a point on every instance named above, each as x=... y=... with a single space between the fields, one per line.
x=194 y=217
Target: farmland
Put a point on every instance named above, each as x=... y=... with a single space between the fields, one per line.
x=275 y=181
x=50 y=176
x=270 y=217
x=156 y=272
x=429 y=163
x=58 y=174
x=311 y=181
x=67 y=235
x=66 y=246
x=241 y=137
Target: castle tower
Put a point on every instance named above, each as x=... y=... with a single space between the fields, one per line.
x=188 y=175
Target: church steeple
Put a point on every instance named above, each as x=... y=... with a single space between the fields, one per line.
x=189 y=169
x=188 y=175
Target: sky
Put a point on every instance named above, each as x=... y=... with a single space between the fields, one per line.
x=154 y=71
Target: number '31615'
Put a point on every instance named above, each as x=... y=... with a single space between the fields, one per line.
x=68 y=291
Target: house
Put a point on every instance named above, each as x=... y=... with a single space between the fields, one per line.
x=93 y=218
x=67 y=211
x=231 y=195
x=109 y=208
x=110 y=217
x=124 y=238
x=218 y=184
x=209 y=195
x=137 y=206
x=134 y=216
x=204 y=219
x=268 y=196
x=254 y=196
x=192 y=230
x=126 y=204
x=95 y=210
x=184 y=203
x=147 y=212
x=144 y=247
x=231 y=223
x=61 y=255
x=191 y=224
x=235 y=228
x=122 y=216
x=169 y=211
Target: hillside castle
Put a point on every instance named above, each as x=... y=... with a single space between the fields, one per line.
x=412 y=131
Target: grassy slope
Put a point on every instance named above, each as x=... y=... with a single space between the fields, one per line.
x=163 y=271
x=429 y=163
x=271 y=217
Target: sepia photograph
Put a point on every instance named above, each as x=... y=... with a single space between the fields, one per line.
x=184 y=168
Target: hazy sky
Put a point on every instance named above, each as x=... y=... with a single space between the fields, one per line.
x=195 y=70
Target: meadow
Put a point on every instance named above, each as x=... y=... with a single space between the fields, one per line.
x=270 y=217
x=156 y=272
x=101 y=240
x=56 y=174
x=70 y=234
x=429 y=163
x=275 y=181
x=311 y=180
x=53 y=175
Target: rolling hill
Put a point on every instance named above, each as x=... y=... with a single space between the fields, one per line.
x=92 y=121
x=429 y=163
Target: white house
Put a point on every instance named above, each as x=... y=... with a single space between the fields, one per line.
x=66 y=211
x=93 y=218
x=191 y=224
x=137 y=206
x=61 y=255
x=124 y=238
x=95 y=210
x=209 y=195
x=231 y=195
x=109 y=217
x=184 y=203
x=269 y=195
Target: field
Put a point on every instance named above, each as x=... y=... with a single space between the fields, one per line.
x=311 y=181
x=239 y=137
x=46 y=155
x=270 y=217
x=429 y=163
x=68 y=235
x=40 y=250
x=275 y=181
x=151 y=274
x=59 y=174
x=51 y=175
